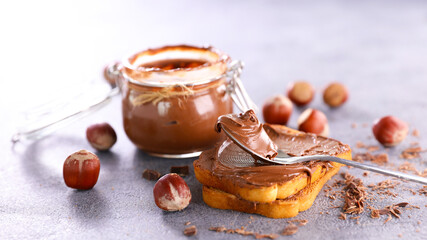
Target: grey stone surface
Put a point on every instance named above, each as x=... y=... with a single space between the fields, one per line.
x=377 y=48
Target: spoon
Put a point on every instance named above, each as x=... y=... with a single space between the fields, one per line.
x=284 y=159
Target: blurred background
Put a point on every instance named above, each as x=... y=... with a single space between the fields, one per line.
x=45 y=44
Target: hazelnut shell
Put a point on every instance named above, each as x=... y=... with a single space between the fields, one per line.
x=171 y=193
x=390 y=131
x=277 y=110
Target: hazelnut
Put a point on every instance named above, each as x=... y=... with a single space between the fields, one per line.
x=81 y=170
x=301 y=93
x=171 y=193
x=335 y=94
x=101 y=136
x=277 y=110
x=313 y=121
x=390 y=131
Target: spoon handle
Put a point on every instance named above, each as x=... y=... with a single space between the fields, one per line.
x=368 y=167
x=371 y=168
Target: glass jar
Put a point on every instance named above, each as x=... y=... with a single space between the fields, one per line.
x=172 y=97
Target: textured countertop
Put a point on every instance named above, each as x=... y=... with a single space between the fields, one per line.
x=376 y=48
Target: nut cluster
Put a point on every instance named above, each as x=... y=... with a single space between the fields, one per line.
x=278 y=109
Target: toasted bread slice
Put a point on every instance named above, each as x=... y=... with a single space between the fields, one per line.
x=281 y=208
x=263 y=194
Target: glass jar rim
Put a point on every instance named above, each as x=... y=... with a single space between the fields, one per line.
x=216 y=60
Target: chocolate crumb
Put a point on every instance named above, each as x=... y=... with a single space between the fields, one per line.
x=372 y=148
x=301 y=222
x=423 y=191
x=151 y=175
x=271 y=236
x=187 y=223
x=354 y=125
x=291 y=229
x=415 y=133
x=360 y=144
x=399 y=235
x=375 y=213
x=180 y=170
x=218 y=229
x=365 y=174
x=190 y=231
x=388 y=219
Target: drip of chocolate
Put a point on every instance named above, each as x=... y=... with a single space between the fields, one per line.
x=249 y=132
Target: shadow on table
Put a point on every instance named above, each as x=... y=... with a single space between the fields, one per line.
x=89 y=206
x=40 y=159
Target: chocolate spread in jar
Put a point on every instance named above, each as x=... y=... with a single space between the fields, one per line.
x=217 y=160
x=169 y=64
x=248 y=131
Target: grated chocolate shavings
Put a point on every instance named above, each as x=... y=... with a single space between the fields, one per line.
x=187 y=223
x=243 y=232
x=355 y=195
x=375 y=213
x=383 y=185
x=409 y=167
x=388 y=219
x=190 y=231
x=411 y=153
x=342 y=216
x=392 y=210
x=291 y=229
x=380 y=159
x=301 y=222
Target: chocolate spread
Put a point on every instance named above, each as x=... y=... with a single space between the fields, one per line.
x=170 y=64
x=248 y=131
x=224 y=161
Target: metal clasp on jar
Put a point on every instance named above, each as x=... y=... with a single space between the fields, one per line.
x=236 y=88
